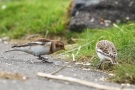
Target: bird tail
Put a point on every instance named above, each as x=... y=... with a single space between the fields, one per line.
x=15 y=48
x=11 y=50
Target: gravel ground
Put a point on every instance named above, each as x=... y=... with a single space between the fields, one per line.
x=29 y=65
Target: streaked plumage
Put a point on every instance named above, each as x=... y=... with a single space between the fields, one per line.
x=106 y=51
x=40 y=47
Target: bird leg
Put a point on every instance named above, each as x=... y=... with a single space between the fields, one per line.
x=110 y=64
x=99 y=66
x=44 y=60
x=41 y=58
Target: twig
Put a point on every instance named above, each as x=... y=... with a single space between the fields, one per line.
x=77 y=48
x=79 y=81
x=118 y=27
x=73 y=56
x=46 y=34
x=60 y=69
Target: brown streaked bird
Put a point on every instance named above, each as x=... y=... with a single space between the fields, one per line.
x=40 y=47
x=106 y=51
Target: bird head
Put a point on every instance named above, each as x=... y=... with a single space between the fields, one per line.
x=59 y=45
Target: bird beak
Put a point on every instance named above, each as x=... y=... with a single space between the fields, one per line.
x=64 y=49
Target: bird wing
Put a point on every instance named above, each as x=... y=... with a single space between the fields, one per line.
x=36 y=42
x=103 y=47
x=42 y=40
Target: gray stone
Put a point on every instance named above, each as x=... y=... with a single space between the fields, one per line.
x=100 y=13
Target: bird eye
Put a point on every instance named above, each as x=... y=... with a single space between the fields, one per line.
x=61 y=45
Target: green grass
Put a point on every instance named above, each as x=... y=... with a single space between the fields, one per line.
x=32 y=16
x=24 y=17
x=124 y=40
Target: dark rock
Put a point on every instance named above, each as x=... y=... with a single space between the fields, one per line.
x=100 y=13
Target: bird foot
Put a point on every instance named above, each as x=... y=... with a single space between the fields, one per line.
x=98 y=66
x=44 y=60
x=110 y=64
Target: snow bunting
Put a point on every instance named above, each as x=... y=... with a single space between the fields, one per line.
x=40 y=47
x=106 y=51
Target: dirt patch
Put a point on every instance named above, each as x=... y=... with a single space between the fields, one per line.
x=14 y=76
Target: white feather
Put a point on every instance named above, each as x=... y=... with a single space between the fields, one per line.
x=36 y=49
x=103 y=57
